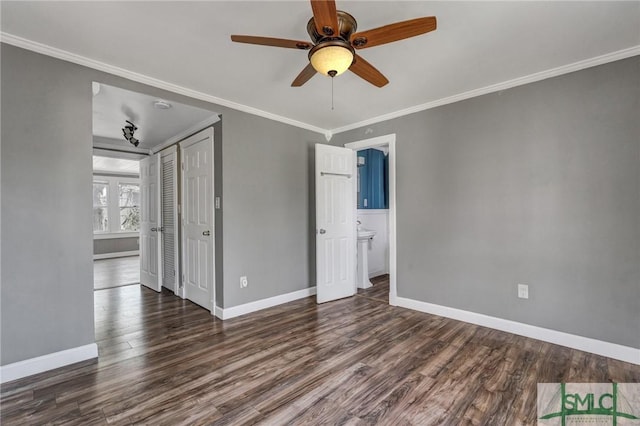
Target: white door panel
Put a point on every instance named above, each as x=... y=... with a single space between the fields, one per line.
x=198 y=224
x=149 y=224
x=335 y=222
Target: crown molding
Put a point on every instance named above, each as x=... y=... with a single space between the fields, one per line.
x=144 y=79
x=520 y=81
x=141 y=78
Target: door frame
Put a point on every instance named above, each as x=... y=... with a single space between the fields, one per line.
x=183 y=252
x=171 y=151
x=390 y=141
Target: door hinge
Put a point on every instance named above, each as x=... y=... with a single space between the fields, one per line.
x=182 y=165
x=182 y=281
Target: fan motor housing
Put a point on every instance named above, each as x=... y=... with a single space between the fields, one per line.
x=347 y=25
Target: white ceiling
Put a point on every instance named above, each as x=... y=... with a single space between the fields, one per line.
x=477 y=44
x=113 y=105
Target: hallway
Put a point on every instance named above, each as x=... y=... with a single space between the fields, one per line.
x=116 y=272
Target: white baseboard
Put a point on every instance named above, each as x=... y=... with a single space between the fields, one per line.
x=236 y=311
x=32 y=366
x=598 y=347
x=116 y=254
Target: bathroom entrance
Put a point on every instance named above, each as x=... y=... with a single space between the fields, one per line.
x=376 y=218
x=343 y=241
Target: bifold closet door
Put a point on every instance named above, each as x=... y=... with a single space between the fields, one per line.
x=169 y=213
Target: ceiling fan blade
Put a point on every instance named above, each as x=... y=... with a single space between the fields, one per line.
x=325 y=17
x=270 y=41
x=368 y=72
x=393 y=32
x=306 y=74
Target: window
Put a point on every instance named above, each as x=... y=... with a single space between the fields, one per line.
x=100 y=207
x=129 y=206
x=116 y=205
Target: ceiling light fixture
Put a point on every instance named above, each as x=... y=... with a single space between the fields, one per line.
x=160 y=104
x=127 y=131
x=331 y=58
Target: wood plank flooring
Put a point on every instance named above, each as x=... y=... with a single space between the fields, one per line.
x=356 y=361
x=380 y=289
x=109 y=273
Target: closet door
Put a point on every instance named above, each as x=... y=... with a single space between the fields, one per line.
x=169 y=215
x=150 y=268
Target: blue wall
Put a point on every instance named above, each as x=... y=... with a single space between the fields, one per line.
x=373 y=179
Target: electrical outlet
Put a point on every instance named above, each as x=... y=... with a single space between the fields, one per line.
x=243 y=282
x=523 y=291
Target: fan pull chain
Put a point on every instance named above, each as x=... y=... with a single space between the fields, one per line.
x=331 y=93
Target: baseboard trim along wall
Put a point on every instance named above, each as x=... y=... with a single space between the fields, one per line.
x=598 y=347
x=43 y=363
x=116 y=254
x=247 y=308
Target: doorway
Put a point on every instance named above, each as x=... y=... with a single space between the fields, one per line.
x=145 y=130
x=381 y=254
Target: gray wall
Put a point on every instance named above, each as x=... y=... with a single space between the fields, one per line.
x=538 y=184
x=47 y=299
x=47 y=274
x=115 y=245
x=266 y=208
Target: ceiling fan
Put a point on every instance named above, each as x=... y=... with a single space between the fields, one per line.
x=334 y=41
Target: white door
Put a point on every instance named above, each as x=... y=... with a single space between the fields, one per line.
x=169 y=218
x=197 y=201
x=149 y=222
x=335 y=222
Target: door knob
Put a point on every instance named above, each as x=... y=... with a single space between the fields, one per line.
x=206 y=233
x=154 y=229
x=322 y=231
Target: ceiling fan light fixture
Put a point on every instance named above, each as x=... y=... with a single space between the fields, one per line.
x=331 y=59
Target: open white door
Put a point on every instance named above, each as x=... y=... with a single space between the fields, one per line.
x=149 y=222
x=335 y=222
x=197 y=216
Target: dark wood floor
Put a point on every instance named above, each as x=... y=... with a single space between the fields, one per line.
x=116 y=272
x=379 y=291
x=356 y=361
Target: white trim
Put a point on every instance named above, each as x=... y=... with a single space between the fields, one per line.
x=247 y=308
x=520 y=81
x=118 y=154
x=116 y=254
x=144 y=79
x=390 y=141
x=365 y=212
x=43 y=363
x=598 y=347
x=209 y=121
x=112 y=236
x=123 y=149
